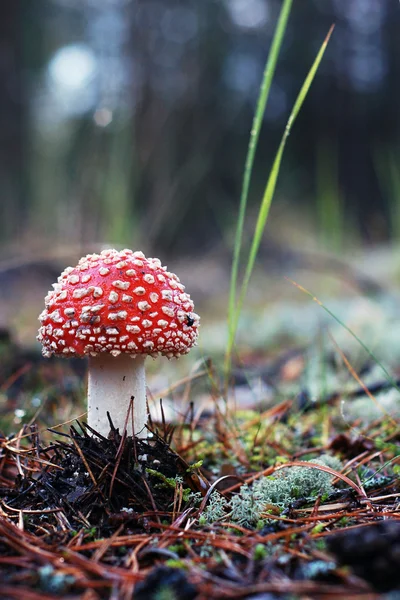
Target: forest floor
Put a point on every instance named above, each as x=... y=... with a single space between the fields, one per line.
x=284 y=484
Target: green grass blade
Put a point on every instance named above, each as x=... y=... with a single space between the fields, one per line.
x=388 y=377
x=254 y=135
x=267 y=199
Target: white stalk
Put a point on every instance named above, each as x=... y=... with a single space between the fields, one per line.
x=112 y=383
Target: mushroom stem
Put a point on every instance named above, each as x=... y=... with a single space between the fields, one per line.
x=112 y=383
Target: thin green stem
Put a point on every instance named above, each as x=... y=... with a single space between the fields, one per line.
x=267 y=199
x=389 y=378
x=268 y=75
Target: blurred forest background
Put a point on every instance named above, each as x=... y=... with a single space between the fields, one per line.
x=126 y=122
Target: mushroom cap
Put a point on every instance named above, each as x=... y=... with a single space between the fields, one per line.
x=118 y=302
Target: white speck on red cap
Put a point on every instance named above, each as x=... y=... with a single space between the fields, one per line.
x=108 y=325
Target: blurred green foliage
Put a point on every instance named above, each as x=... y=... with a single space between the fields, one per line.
x=127 y=122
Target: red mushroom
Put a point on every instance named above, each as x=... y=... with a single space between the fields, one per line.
x=117 y=308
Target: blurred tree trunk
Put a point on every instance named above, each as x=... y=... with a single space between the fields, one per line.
x=12 y=121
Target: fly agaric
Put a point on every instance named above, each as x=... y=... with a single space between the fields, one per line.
x=116 y=308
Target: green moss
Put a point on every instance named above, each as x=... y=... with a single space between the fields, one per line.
x=170 y=482
x=175 y=564
x=260 y=552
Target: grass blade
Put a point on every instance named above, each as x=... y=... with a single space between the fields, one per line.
x=267 y=199
x=367 y=350
x=268 y=75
